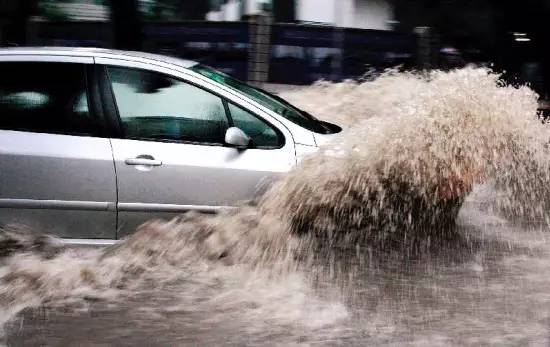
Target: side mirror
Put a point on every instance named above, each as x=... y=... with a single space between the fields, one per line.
x=237 y=138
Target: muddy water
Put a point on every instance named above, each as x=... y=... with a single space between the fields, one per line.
x=349 y=249
x=487 y=285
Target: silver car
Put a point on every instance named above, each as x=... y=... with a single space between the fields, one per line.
x=94 y=142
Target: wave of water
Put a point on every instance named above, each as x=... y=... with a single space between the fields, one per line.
x=413 y=148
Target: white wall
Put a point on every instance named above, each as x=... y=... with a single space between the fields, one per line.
x=316 y=10
x=366 y=14
x=345 y=13
x=230 y=11
x=254 y=6
x=373 y=14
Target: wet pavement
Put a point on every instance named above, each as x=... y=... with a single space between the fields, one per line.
x=489 y=285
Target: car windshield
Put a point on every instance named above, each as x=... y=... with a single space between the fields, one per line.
x=272 y=102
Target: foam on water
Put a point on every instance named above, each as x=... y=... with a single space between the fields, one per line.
x=413 y=147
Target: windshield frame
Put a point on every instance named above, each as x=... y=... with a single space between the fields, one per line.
x=268 y=100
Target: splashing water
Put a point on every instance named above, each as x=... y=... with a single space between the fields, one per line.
x=416 y=144
x=413 y=147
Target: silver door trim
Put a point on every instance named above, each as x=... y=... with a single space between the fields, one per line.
x=57 y=204
x=90 y=242
x=147 y=207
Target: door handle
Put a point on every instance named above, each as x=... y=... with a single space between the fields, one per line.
x=143 y=161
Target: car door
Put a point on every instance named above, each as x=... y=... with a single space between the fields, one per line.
x=57 y=172
x=171 y=156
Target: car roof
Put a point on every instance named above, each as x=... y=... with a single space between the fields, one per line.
x=98 y=52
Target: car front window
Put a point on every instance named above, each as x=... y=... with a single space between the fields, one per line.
x=158 y=107
x=272 y=102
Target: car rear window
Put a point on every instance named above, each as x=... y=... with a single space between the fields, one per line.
x=45 y=97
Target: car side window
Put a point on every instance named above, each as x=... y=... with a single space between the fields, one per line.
x=154 y=106
x=45 y=97
x=262 y=134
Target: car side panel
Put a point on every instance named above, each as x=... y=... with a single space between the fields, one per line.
x=59 y=184
x=191 y=177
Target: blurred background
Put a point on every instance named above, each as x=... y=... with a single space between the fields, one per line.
x=300 y=41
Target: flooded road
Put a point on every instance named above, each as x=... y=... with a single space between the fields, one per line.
x=488 y=285
x=354 y=247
